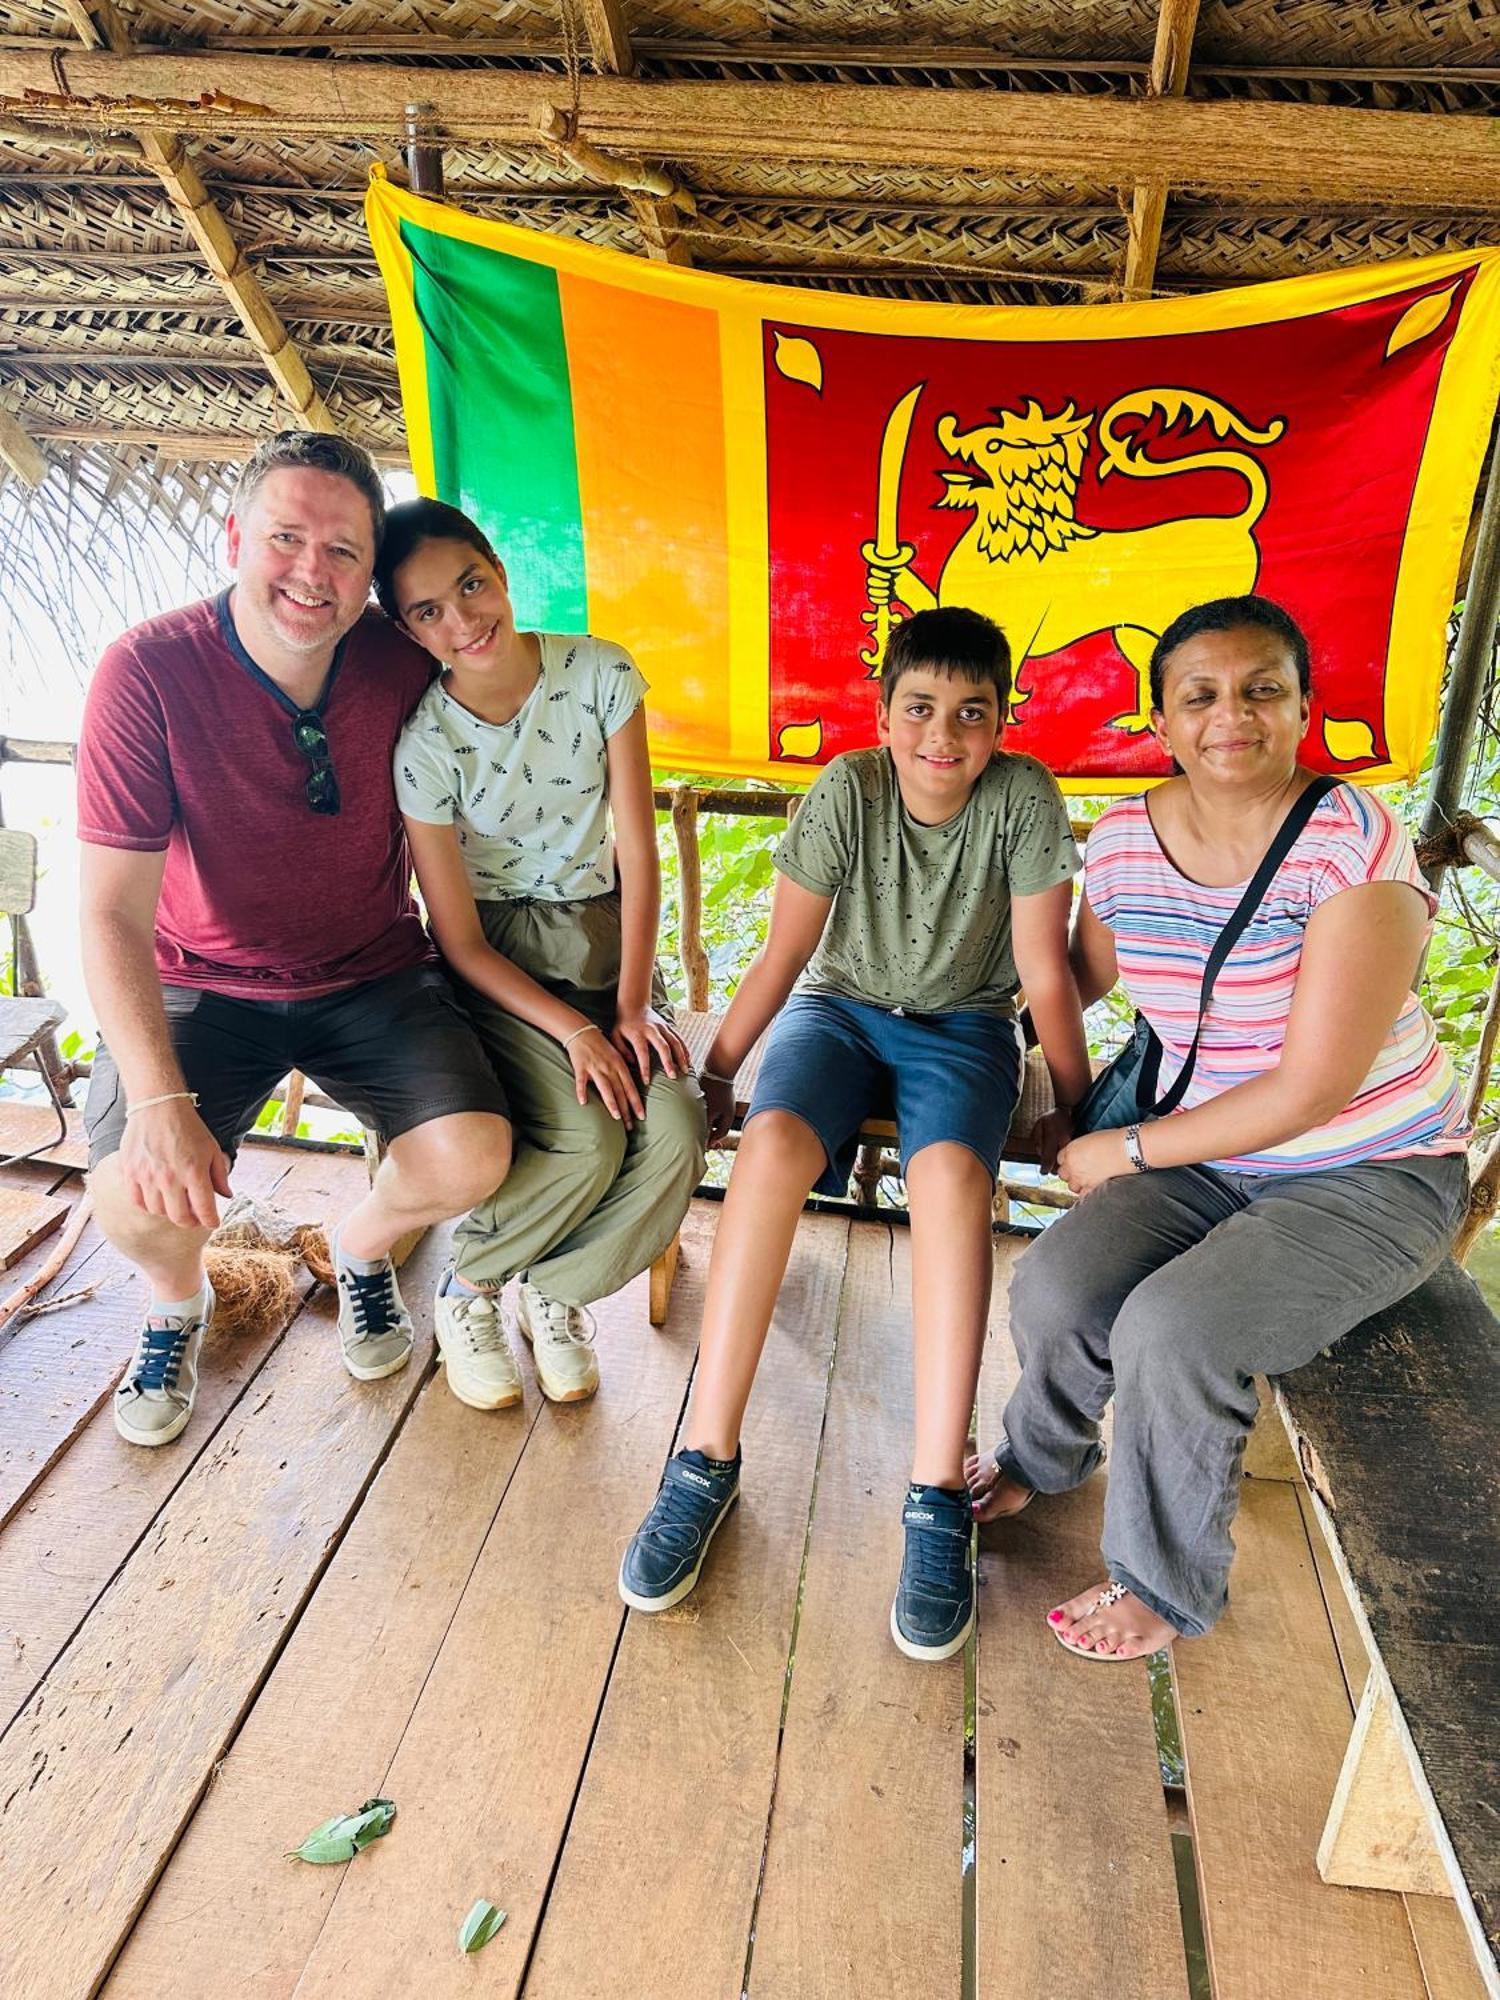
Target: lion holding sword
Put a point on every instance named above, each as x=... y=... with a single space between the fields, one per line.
x=1028 y=562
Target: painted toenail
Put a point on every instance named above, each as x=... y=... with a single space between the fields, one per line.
x=1054 y=1618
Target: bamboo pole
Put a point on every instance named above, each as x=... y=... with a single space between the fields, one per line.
x=1473 y=662
x=1175 y=25
x=690 y=892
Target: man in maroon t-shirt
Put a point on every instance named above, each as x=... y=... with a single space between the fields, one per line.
x=247 y=910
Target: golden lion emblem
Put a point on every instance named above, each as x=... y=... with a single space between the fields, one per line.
x=1028 y=562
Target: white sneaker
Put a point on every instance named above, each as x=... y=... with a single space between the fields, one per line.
x=561 y=1345
x=155 y=1398
x=482 y=1371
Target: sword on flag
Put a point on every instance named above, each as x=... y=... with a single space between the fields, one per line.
x=888 y=553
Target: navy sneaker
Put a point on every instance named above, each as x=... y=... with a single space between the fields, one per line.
x=932 y=1613
x=666 y=1552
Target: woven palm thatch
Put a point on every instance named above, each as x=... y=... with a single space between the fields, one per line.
x=116 y=335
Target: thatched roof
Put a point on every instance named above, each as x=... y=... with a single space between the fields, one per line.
x=1278 y=136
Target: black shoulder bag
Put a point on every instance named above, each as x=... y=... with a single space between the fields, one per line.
x=1125 y=1092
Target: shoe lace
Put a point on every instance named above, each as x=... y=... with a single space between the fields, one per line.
x=676 y=1520
x=163 y=1344
x=372 y=1296
x=573 y=1326
x=938 y=1557
x=482 y=1328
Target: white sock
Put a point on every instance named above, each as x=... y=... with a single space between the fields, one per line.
x=363 y=1267
x=190 y=1308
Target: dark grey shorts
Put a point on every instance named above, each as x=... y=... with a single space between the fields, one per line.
x=394 y=1052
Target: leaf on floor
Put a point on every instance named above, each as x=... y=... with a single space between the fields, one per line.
x=479 y=1926
x=342 y=1837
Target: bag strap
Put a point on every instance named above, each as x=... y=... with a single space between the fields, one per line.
x=1286 y=837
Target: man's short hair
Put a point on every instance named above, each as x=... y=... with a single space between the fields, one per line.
x=321 y=451
x=956 y=643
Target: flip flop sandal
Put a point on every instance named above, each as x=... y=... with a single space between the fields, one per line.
x=1102 y=1603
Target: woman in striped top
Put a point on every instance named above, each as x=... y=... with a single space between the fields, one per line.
x=1313 y=1173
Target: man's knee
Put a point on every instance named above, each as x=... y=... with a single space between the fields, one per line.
x=124 y=1223
x=454 y=1162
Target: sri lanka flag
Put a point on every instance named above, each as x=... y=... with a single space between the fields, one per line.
x=747 y=484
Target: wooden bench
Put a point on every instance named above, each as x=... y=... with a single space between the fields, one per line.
x=1395 y=1433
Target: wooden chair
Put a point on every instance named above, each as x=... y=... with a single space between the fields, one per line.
x=26 y=1024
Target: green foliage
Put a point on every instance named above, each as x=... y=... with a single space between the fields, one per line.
x=346 y=1834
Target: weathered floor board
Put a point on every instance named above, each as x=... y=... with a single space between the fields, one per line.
x=871 y=1784
x=1070 y=1810
x=322 y=1735
x=104 y=1765
x=485 y=1774
x=332 y=1590
x=695 y=1700
x=59 y=1368
x=60 y=1549
x=1265 y=1722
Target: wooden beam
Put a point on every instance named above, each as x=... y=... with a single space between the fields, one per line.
x=99 y=25
x=1175 y=24
x=166 y=152
x=609 y=37
x=20 y=451
x=1300 y=150
x=654 y=196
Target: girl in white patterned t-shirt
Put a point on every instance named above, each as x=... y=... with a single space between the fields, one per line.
x=524 y=779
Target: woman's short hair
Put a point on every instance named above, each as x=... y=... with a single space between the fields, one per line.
x=406 y=528
x=952 y=642
x=1231 y=614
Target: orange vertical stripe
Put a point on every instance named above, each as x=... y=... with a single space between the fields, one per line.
x=648 y=421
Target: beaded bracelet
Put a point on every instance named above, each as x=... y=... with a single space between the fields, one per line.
x=590 y=1029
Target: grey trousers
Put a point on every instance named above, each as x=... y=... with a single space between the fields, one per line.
x=1170 y=1291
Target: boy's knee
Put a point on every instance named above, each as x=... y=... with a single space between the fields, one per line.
x=778 y=1134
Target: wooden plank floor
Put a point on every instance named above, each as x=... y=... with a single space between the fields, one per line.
x=330 y=1591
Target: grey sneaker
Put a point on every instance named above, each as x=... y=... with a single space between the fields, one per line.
x=155 y=1396
x=374 y=1325
x=482 y=1371
x=561 y=1345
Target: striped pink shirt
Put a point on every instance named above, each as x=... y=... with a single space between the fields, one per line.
x=1164 y=927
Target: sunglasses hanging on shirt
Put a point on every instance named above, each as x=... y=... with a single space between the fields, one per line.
x=311 y=738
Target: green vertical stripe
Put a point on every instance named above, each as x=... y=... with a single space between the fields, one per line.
x=502 y=416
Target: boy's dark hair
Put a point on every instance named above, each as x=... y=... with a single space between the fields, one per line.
x=322 y=451
x=406 y=528
x=954 y=642
x=1231 y=614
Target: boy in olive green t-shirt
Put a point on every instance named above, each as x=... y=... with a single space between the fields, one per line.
x=921 y=884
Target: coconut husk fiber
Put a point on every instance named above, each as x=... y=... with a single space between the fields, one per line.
x=252 y=1260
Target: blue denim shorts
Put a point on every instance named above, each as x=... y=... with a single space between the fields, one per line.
x=943 y=1077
